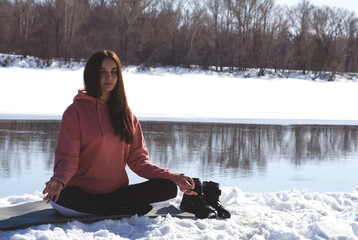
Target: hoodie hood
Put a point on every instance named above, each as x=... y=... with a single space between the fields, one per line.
x=99 y=104
x=83 y=95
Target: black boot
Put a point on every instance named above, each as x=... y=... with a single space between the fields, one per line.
x=196 y=203
x=212 y=193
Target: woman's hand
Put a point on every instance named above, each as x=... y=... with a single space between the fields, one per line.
x=53 y=189
x=186 y=185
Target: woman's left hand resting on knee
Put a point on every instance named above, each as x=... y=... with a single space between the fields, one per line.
x=186 y=185
x=53 y=189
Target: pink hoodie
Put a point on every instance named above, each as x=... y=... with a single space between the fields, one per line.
x=90 y=157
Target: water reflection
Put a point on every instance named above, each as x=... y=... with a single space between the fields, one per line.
x=25 y=145
x=224 y=152
x=243 y=148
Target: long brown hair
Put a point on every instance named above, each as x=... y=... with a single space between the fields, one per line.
x=117 y=104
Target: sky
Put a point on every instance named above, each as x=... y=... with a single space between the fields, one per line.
x=351 y=5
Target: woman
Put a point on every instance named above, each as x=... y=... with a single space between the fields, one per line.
x=99 y=136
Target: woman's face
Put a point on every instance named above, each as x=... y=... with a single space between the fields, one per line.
x=108 y=75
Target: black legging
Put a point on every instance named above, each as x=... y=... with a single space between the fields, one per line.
x=132 y=199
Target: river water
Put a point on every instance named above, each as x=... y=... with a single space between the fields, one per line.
x=255 y=158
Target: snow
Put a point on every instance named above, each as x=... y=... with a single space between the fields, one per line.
x=291 y=214
x=177 y=94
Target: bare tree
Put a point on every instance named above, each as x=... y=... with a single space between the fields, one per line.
x=300 y=18
x=266 y=32
x=76 y=13
x=166 y=28
x=350 y=32
x=130 y=17
x=24 y=13
x=214 y=9
x=193 y=22
x=281 y=45
x=5 y=25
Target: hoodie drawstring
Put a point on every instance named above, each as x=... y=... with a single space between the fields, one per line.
x=100 y=119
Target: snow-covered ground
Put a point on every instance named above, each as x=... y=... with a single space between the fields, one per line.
x=286 y=215
x=181 y=95
x=177 y=94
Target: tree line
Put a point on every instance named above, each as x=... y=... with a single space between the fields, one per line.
x=225 y=34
